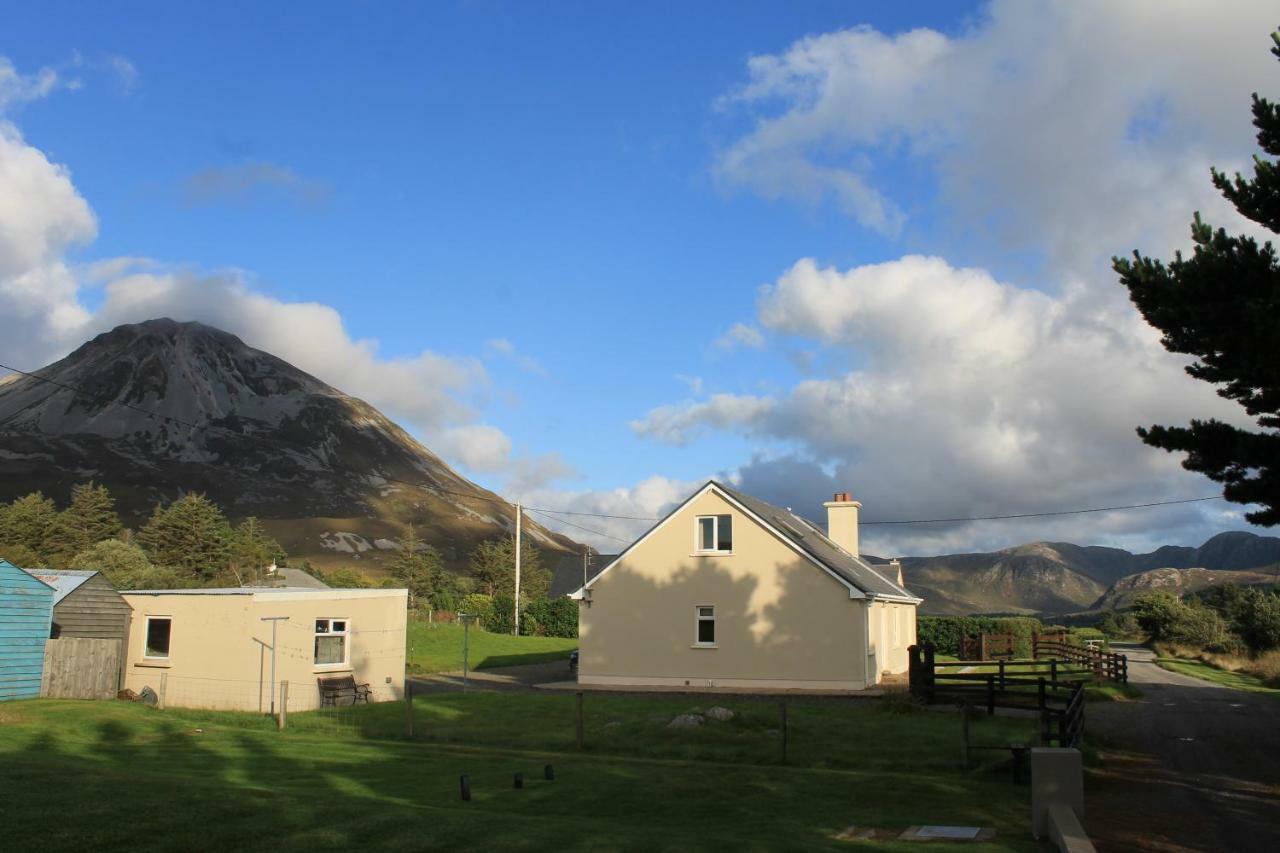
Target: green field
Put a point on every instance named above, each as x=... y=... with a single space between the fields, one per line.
x=1223 y=677
x=438 y=648
x=126 y=776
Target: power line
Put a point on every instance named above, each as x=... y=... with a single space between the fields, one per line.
x=580 y=527
x=1047 y=514
x=547 y=511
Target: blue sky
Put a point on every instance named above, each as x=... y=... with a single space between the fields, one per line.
x=604 y=189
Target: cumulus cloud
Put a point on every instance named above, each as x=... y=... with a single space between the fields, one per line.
x=44 y=220
x=245 y=182
x=1063 y=126
x=975 y=397
x=648 y=499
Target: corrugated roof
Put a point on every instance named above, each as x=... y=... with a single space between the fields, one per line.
x=814 y=542
x=63 y=581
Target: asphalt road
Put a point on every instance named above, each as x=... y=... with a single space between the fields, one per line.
x=1189 y=767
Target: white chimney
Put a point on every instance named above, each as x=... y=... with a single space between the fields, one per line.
x=842 y=521
x=895 y=567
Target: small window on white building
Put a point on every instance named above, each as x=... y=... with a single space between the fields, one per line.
x=705 y=634
x=332 y=648
x=715 y=533
x=158 y=631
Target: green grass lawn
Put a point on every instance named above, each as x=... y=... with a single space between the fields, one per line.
x=438 y=648
x=1223 y=677
x=180 y=780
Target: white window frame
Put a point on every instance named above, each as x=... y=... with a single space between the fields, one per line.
x=346 y=633
x=698 y=619
x=146 y=636
x=715 y=534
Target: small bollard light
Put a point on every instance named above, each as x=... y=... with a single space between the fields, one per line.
x=548 y=772
x=466 y=787
x=519 y=781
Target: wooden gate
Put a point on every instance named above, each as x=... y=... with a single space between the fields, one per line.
x=81 y=668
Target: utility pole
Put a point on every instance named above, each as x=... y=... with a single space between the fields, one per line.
x=516 y=622
x=274 y=620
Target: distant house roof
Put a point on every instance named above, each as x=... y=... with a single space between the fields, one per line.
x=290 y=579
x=63 y=581
x=859 y=575
x=566 y=569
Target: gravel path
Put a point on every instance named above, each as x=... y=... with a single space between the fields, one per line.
x=1190 y=766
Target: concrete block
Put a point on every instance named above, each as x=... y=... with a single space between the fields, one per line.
x=1057 y=778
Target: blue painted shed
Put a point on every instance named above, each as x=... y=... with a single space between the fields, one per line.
x=26 y=611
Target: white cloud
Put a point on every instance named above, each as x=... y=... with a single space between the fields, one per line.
x=17 y=88
x=1072 y=127
x=44 y=219
x=695 y=383
x=126 y=73
x=503 y=348
x=740 y=335
x=974 y=397
x=651 y=498
x=245 y=182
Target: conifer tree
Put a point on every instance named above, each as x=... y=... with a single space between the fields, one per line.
x=29 y=522
x=1222 y=306
x=493 y=564
x=190 y=534
x=417 y=566
x=90 y=518
x=252 y=549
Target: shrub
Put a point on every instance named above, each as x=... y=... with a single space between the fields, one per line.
x=944 y=632
x=502 y=616
x=1120 y=625
x=550 y=617
x=479 y=605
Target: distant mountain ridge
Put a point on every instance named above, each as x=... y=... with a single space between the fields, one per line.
x=332 y=477
x=1060 y=577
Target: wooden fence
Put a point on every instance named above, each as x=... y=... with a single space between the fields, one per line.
x=81 y=668
x=1103 y=665
x=1053 y=689
x=988 y=646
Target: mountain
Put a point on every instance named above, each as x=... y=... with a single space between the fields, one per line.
x=332 y=477
x=1059 y=577
x=1177 y=581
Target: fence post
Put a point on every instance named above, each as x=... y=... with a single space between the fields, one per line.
x=164 y=688
x=1053 y=671
x=283 y=716
x=929 y=674
x=580 y=731
x=991 y=695
x=982 y=647
x=783 y=724
x=1002 y=674
x=408 y=709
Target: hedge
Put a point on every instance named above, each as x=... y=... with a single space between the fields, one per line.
x=944 y=632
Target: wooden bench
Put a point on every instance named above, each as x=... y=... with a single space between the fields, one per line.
x=333 y=688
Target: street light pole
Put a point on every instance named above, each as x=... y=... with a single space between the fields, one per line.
x=274 y=620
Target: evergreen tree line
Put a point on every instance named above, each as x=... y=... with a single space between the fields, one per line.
x=191 y=543
x=185 y=544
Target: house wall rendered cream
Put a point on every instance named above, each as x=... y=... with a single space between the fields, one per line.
x=220 y=649
x=888 y=647
x=781 y=620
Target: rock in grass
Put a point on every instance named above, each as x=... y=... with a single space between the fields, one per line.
x=686 y=721
x=721 y=714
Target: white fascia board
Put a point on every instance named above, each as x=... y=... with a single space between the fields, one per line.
x=711 y=486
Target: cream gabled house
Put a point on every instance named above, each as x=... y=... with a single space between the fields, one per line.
x=730 y=591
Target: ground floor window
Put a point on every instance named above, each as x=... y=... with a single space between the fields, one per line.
x=705 y=634
x=158 y=631
x=331 y=641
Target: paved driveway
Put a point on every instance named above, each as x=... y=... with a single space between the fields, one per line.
x=1191 y=766
x=523 y=677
